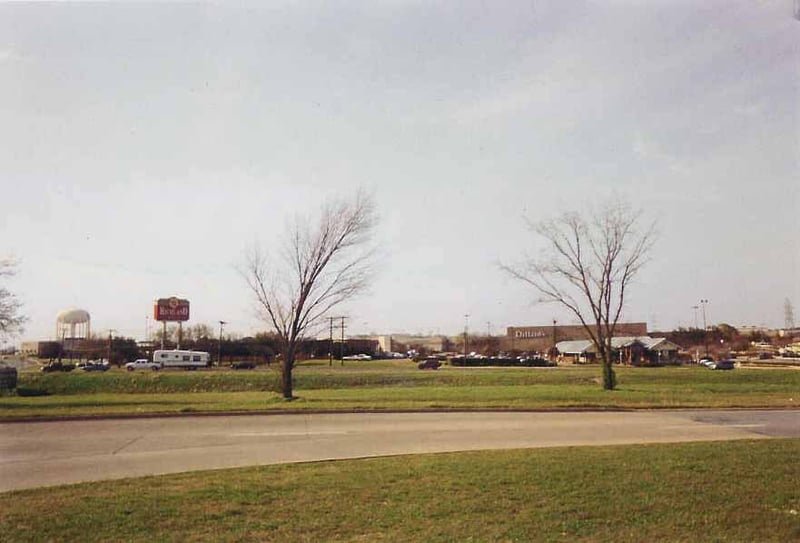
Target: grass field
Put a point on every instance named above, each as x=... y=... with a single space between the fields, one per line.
x=396 y=385
x=722 y=491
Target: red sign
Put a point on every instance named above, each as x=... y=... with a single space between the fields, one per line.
x=171 y=309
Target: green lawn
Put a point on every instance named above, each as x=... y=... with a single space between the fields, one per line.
x=397 y=385
x=723 y=491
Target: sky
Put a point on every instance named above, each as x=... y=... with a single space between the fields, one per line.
x=145 y=147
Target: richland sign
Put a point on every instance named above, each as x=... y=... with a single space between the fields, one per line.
x=171 y=309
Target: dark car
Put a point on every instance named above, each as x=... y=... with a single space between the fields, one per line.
x=95 y=366
x=243 y=365
x=57 y=366
x=722 y=365
x=429 y=364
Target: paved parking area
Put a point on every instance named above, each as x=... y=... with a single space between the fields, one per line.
x=34 y=454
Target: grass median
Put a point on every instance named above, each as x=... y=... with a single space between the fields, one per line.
x=720 y=491
x=394 y=385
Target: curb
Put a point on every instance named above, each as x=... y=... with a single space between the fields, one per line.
x=196 y=414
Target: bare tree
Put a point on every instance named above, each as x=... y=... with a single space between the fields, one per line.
x=325 y=261
x=588 y=264
x=11 y=320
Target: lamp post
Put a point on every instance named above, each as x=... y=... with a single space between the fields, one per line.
x=695 y=316
x=219 y=343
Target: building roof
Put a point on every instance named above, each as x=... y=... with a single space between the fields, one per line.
x=582 y=346
x=578 y=346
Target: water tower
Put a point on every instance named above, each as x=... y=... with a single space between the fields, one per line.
x=73 y=324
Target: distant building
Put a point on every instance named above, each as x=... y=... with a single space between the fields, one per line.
x=626 y=350
x=400 y=343
x=543 y=338
x=40 y=349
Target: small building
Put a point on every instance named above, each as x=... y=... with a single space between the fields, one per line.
x=40 y=349
x=634 y=350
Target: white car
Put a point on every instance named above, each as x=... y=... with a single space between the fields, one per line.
x=358 y=357
x=142 y=364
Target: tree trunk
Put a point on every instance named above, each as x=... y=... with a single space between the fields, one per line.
x=286 y=382
x=286 y=374
x=609 y=378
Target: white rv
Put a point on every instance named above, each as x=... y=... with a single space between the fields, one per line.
x=181 y=359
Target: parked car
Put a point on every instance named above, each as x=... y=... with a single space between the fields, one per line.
x=243 y=365
x=429 y=364
x=95 y=366
x=57 y=366
x=395 y=355
x=142 y=364
x=721 y=365
x=358 y=357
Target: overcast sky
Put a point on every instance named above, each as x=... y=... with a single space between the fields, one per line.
x=145 y=147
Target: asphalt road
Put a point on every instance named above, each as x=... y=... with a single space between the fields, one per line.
x=38 y=454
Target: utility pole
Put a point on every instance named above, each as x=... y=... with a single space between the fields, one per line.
x=341 y=352
x=61 y=347
x=705 y=326
x=330 y=345
x=466 y=333
x=219 y=343
x=554 y=337
x=110 y=331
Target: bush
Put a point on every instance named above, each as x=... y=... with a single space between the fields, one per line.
x=500 y=362
x=25 y=391
x=8 y=378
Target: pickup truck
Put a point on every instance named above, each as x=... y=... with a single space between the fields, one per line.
x=142 y=364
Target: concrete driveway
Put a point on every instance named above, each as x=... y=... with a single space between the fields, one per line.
x=37 y=454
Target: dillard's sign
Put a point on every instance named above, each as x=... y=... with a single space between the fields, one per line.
x=171 y=309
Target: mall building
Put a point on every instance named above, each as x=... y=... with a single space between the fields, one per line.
x=543 y=338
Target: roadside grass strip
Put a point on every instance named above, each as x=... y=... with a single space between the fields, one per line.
x=395 y=387
x=720 y=491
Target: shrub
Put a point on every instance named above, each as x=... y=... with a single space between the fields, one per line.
x=502 y=362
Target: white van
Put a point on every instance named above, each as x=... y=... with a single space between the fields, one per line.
x=181 y=359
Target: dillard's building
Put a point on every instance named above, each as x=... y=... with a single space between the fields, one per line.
x=543 y=338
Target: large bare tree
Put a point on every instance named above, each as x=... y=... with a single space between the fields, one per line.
x=587 y=266
x=11 y=320
x=325 y=261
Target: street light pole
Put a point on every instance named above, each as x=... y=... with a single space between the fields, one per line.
x=219 y=343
